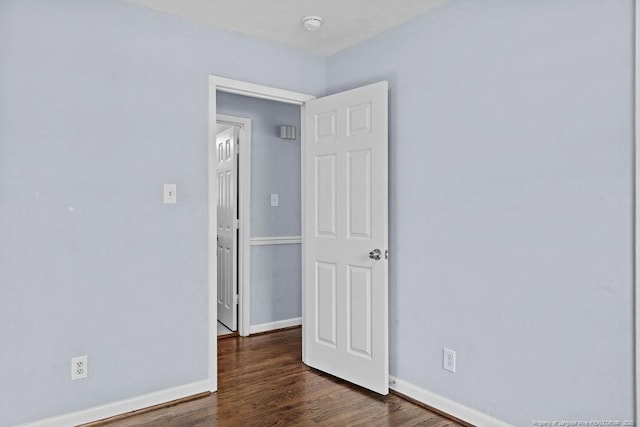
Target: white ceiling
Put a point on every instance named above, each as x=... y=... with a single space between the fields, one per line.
x=346 y=22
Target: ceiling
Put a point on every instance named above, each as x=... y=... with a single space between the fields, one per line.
x=346 y=22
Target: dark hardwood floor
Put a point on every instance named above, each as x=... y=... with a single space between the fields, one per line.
x=262 y=382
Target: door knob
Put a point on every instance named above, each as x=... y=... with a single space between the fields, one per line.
x=375 y=254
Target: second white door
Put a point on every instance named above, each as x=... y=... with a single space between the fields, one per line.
x=227 y=171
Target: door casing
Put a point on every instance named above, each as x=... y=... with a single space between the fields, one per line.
x=636 y=214
x=255 y=91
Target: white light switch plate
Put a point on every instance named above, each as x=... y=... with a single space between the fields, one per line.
x=170 y=195
x=274 y=200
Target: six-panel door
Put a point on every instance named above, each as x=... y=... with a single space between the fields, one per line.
x=227 y=236
x=346 y=314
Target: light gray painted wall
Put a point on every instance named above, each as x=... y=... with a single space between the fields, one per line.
x=102 y=102
x=275 y=163
x=276 y=283
x=511 y=203
x=510 y=209
x=276 y=270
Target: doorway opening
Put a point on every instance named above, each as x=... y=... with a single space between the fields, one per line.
x=218 y=85
x=274 y=231
x=343 y=162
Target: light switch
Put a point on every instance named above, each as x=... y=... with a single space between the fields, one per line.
x=170 y=195
x=274 y=200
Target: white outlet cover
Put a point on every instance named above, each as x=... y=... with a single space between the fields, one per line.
x=79 y=367
x=274 y=199
x=449 y=360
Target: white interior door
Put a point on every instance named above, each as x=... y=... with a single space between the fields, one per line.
x=227 y=170
x=346 y=235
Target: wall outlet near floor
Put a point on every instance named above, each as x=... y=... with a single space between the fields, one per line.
x=79 y=367
x=449 y=360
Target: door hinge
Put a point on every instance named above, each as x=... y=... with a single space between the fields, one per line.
x=236 y=224
x=235 y=299
x=386 y=254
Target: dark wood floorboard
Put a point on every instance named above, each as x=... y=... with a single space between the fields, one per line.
x=263 y=382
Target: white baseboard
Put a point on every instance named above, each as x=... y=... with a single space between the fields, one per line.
x=264 y=327
x=123 y=406
x=445 y=405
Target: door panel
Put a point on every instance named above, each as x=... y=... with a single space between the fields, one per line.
x=359 y=194
x=227 y=171
x=359 y=315
x=345 y=200
x=325 y=128
x=326 y=196
x=326 y=303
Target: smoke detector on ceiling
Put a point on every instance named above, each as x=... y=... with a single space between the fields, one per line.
x=312 y=23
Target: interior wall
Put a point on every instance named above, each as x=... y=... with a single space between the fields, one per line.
x=101 y=103
x=510 y=186
x=276 y=282
x=511 y=140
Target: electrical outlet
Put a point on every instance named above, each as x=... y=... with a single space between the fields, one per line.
x=449 y=360
x=274 y=200
x=79 y=367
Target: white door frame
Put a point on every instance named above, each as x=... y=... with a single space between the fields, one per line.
x=244 y=214
x=256 y=91
x=636 y=231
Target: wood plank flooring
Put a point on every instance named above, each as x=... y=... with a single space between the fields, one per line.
x=263 y=382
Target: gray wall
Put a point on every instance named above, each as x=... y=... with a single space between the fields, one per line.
x=511 y=155
x=275 y=163
x=511 y=203
x=276 y=282
x=102 y=102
